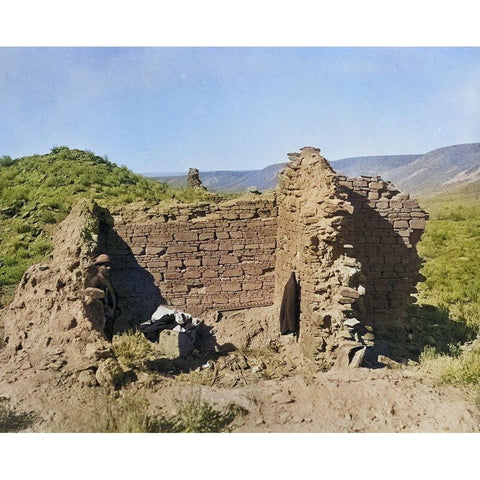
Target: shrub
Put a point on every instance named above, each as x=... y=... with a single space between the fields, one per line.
x=463 y=370
x=131 y=348
x=198 y=416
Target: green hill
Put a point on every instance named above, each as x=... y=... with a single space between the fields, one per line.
x=38 y=191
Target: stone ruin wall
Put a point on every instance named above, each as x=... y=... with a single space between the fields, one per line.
x=351 y=243
x=387 y=225
x=314 y=217
x=195 y=258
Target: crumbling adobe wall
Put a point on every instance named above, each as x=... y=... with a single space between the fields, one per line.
x=196 y=257
x=387 y=226
x=54 y=326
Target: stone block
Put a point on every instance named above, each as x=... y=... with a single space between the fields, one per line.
x=225 y=246
x=400 y=224
x=192 y=274
x=192 y=262
x=210 y=247
x=233 y=272
x=228 y=259
x=181 y=249
x=159 y=239
x=210 y=274
x=173 y=264
x=186 y=236
x=172 y=275
x=418 y=224
x=138 y=250
x=210 y=261
x=231 y=287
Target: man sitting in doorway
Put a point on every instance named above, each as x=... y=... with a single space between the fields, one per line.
x=110 y=301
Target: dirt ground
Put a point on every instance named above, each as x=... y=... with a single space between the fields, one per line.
x=269 y=378
x=353 y=400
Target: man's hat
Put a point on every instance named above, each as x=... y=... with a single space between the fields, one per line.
x=103 y=258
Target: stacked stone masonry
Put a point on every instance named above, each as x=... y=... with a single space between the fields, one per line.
x=196 y=258
x=387 y=226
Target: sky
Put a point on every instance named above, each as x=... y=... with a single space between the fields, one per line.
x=166 y=109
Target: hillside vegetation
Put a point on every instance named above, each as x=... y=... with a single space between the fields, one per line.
x=38 y=191
x=451 y=249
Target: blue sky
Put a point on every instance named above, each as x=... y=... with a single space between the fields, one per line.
x=167 y=109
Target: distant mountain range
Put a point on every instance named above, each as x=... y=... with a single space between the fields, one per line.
x=420 y=174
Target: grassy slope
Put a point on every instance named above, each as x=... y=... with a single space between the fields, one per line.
x=37 y=192
x=451 y=248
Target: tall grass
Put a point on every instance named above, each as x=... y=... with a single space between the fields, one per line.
x=451 y=249
x=131 y=414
